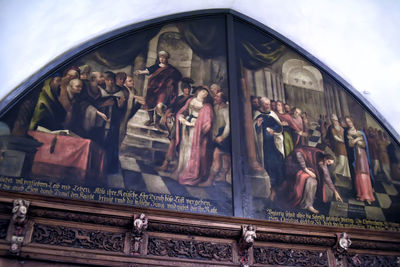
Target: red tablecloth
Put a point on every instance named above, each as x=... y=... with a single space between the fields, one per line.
x=71 y=159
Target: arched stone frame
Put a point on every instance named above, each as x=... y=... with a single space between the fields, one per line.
x=301 y=75
x=312 y=75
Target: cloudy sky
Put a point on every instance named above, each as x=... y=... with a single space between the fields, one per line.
x=358 y=39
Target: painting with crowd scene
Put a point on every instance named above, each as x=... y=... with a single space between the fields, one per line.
x=315 y=155
x=142 y=120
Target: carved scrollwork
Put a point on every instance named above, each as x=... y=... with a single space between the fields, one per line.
x=192 y=230
x=296 y=239
x=190 y=249
x=289 y=257
x=78 y=238
x=80 y=217
x=363 y=244
x=358 y=260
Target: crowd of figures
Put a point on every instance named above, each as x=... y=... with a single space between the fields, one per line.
x=98 y=106
x=382 y=151
x=299 y=173
x=91 y=105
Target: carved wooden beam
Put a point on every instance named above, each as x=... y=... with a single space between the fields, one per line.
x=109 y=235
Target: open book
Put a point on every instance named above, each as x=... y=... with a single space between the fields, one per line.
x=58 y=132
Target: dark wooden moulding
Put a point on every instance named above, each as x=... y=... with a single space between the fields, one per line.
x=89 y=233
x=81 y=232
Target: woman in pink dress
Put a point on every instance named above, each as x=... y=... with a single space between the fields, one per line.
x=357 y=141
x=193 y=138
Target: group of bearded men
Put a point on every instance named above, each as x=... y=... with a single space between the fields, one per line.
x=92 y=105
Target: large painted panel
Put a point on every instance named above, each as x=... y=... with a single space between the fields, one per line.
x=142 y=120
x=314 y=154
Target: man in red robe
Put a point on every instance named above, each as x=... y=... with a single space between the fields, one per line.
x=162 y=88
x=307 y=172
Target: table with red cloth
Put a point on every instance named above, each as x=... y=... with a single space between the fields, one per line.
x=68 y=159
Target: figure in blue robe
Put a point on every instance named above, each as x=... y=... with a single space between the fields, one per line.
x=273 y=158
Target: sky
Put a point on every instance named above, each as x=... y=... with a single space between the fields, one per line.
x=357 y=39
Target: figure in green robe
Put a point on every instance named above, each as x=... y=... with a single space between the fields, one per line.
x=48 y=113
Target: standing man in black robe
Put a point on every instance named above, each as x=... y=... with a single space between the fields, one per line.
x=268 y=124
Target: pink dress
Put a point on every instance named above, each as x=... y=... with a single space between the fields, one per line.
x=363 y=179
x=194 y=143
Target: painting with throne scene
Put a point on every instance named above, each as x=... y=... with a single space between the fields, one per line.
x=141 y=120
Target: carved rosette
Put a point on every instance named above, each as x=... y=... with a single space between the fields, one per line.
x=289 y=257
x=78 y=238
x=359 y=260
x=190 y=249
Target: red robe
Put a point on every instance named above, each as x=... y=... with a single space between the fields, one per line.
x=199 y=163
x=292 y=124
x=162 y=87
x=297 y=177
